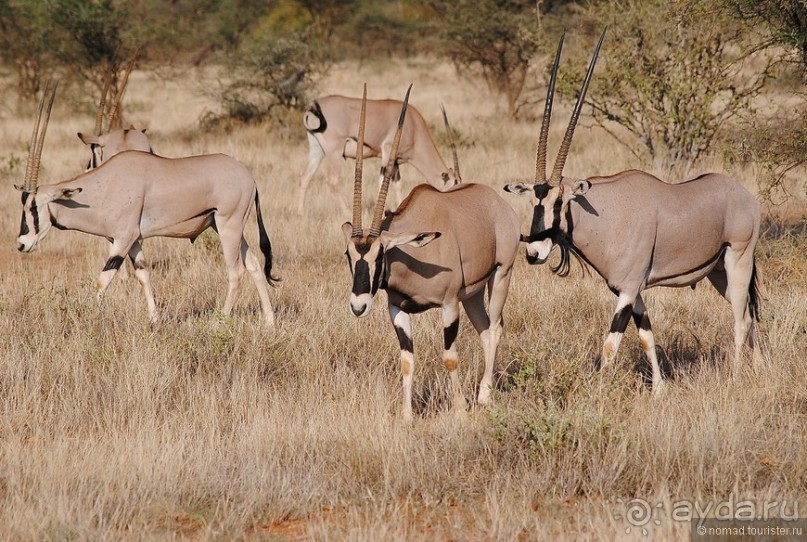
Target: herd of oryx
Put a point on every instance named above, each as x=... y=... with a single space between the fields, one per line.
x=445 y=244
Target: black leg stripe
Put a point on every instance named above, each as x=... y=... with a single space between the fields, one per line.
x=450 y=334
x=642 y=321
x=621 y=319
x=113 y=263
x=404 y=340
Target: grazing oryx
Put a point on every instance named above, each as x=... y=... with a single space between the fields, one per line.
x=332 y=123
x=638 y=232
x=136 y=195
x=438 y=249
x=110 y=140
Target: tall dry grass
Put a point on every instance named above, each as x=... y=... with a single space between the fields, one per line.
x=205 y=427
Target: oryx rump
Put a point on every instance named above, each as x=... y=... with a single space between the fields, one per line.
x=438 y=249
x=638 y=232
x=137 y=195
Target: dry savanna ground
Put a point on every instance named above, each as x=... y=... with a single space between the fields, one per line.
x=210 y=427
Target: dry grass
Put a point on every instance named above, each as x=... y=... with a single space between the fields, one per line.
x=206 y=427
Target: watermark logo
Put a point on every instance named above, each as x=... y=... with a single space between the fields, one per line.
x=638 y=514
x=642 y=514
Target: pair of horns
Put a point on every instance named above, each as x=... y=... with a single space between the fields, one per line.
x=378 y=214
x=114 y=117
x=31 y=180
x=563 y=152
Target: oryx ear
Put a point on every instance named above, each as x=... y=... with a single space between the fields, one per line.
x=519 y=189
x=67 y=193
x=21 y=188
x=390 y=240
x=347 y=229
x=88 y=139
x=580 y=187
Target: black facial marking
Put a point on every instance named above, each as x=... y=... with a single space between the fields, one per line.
x=35 y=214
x=379 y=268
x=404 y=340
x=361 y=278
x=537 y=220
x=556 y=207
x=113 y=263
x=621 y=319
x=541 y=190
x=450 y=334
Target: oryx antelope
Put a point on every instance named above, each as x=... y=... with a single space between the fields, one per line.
x=638 y=232
x=332 y=123
x=137 y=195
x=109 y=140
x=438 y=249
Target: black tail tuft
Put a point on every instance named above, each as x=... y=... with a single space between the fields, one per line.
x=753 y=294
x=266 y=246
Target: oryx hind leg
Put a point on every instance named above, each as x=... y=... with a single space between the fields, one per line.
x=231 y=237
x=489 y=324
x=647 y=342
x=740 y=291
x=142 y=274
x=315 y=156
x=451 y=325
x=402 y=323
x=254 y=268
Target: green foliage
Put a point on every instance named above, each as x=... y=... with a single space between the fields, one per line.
x=497 y=38
x=784 y=20
x=670 y=76
x=268 y=73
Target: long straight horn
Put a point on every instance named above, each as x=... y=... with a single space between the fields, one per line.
x=36 y=151
x=453 y=145
x=114 y=118
x=378 y=215
x=99 y=116
x=357 y=182
x=557 y=171
x=540 y=155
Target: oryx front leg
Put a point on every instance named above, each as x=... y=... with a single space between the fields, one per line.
x=647 y=342
x=451 y=326
x=624 y=308
x=402 y=323
x=116 y=255
x=141 y=272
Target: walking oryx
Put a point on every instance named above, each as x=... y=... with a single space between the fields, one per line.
x=136 y=195
x=438 y=249
x=332 y=123
x=638 y=232
x=112 y=139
